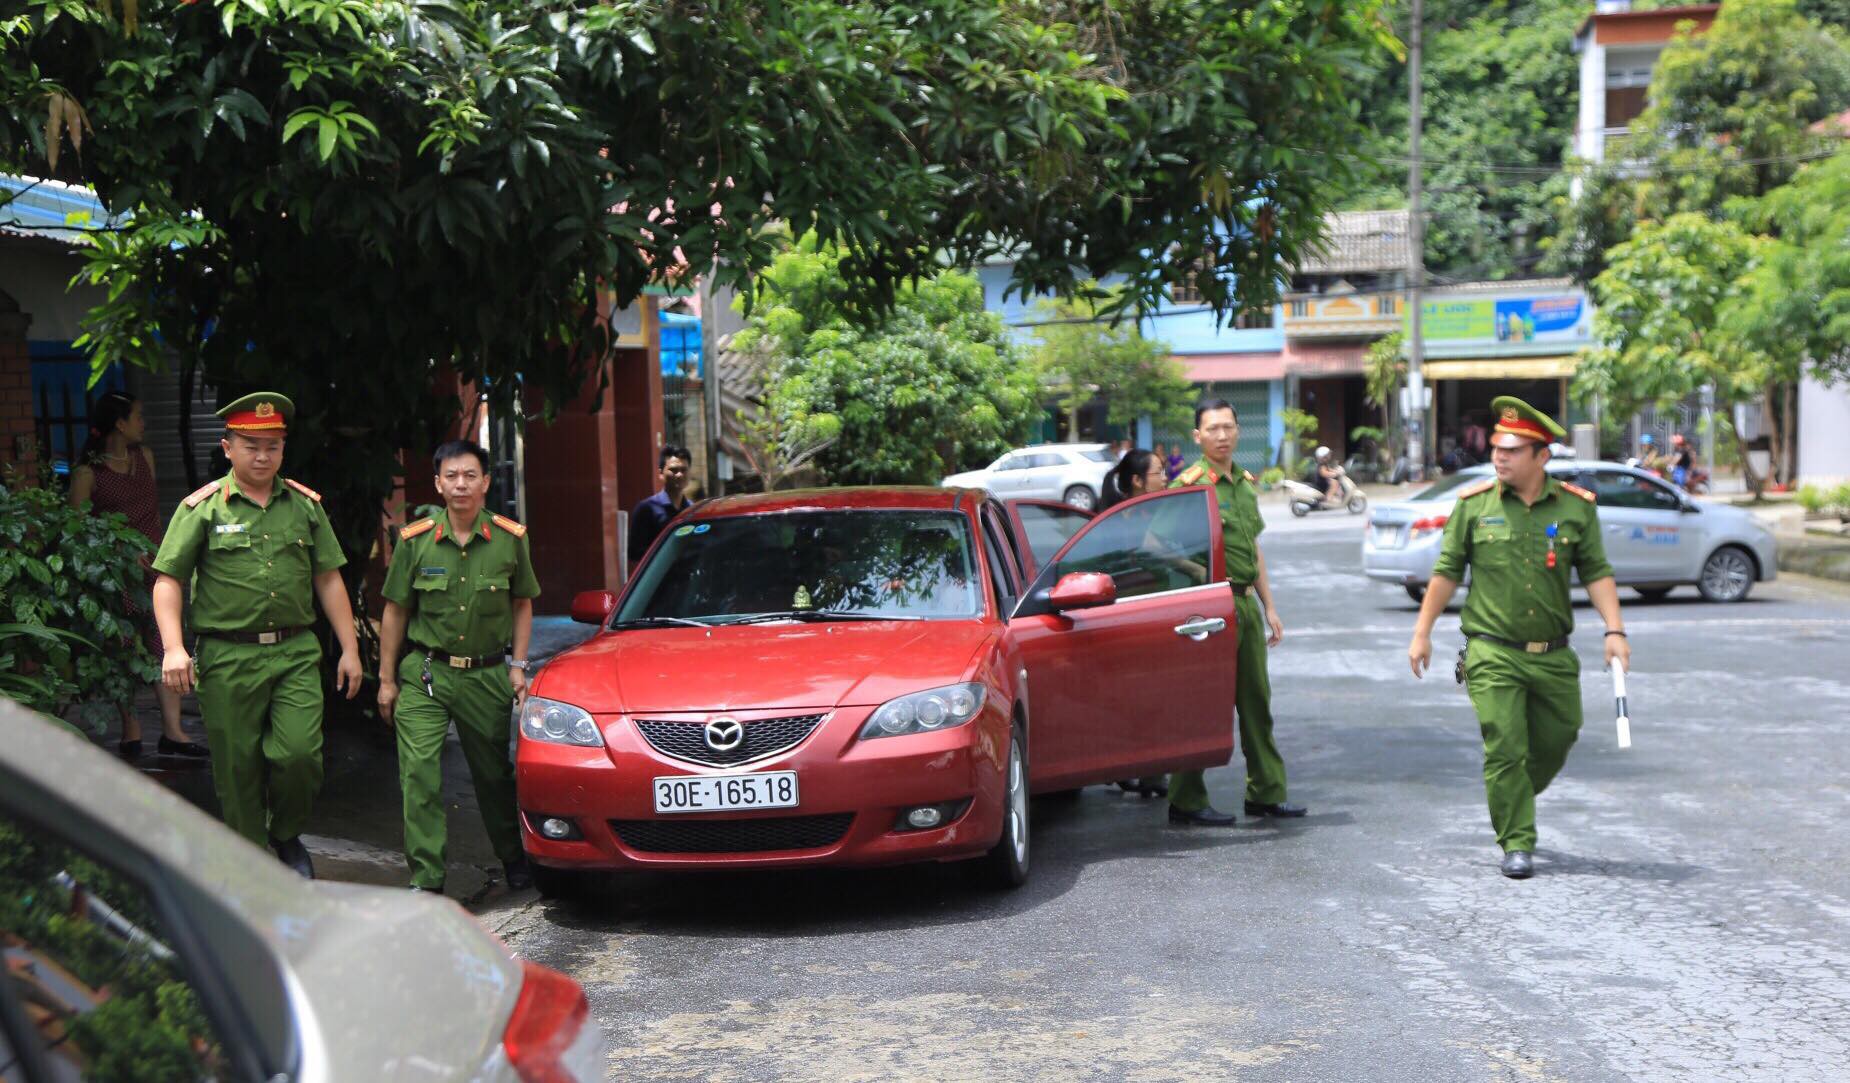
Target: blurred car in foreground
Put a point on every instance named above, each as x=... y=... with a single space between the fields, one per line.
x=144 y=940
x=1071 y=473
x=1657 y=537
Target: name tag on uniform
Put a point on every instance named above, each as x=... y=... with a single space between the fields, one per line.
x=433 y=573
x=231 y=528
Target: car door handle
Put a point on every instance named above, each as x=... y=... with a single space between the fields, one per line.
x=1200 y=628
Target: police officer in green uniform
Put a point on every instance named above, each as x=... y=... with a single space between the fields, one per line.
x=461 y=588
x=254 y=550
x=1217 y=431
x=1521 y=535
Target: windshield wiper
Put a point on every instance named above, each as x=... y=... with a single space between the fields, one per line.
x=657 y=622
x=816 y=616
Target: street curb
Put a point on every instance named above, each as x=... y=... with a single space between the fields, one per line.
x=1821 y=557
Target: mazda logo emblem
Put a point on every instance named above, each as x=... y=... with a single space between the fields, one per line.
x=724 y=734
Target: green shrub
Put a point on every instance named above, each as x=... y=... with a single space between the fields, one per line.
x=1840 y=499
x=65 y=634
x=1812 y=499
x=1271 y=476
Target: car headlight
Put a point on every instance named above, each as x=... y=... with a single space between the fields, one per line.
x=925 y=712
x=558 y=723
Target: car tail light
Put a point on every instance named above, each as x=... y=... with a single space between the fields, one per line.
x=1436 y=522
x=550 y=1038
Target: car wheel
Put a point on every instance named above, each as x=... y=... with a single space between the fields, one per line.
x=1654 y=594
x=1081 y=497
x=1006 y=866
x=1358 y=504
x=1416 y=591
x=1727 y=575
x=1299 y=508
x=554 y=883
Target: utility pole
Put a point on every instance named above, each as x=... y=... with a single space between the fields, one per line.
x=1416 y=259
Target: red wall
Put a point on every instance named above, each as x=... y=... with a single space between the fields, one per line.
x=18 y=435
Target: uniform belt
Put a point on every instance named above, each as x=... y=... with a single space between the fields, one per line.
x=268 y=639
x=1532 y=647
x=457 y=661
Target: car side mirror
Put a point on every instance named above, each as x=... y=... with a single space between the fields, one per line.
x=593 y=606
x=1082 y=590
x=1690 y=507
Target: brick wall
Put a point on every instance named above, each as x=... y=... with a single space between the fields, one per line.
x=18 y=438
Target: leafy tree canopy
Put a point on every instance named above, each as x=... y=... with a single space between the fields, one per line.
x=1080 y=355
x=347 y=199
x=1797 y=296
x=933 y=386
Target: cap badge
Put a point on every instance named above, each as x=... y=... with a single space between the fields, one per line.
x=266 y=409
x=1510 y=414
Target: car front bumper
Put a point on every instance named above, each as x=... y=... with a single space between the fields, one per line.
x=868 y=784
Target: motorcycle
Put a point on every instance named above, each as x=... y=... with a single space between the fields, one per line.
x=1305 y=498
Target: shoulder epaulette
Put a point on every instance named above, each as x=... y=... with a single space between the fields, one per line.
x=412 y=530
x=1480 y=487
x=1191 y=475
x=198 y=496
x=1579 y=492
x=511 y=526
x=1248 y=475
x=303 y=489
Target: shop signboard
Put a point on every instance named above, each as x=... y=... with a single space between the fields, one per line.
x=1563 y=319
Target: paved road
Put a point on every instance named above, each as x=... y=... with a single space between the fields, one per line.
x=1690 y=918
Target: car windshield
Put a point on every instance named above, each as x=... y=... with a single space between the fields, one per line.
x=879 y=565
x=1447 y=484
x=1100 y=455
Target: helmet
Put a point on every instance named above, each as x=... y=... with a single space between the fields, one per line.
x=1678 y=440
x=1646 y=439
x=1323 y=453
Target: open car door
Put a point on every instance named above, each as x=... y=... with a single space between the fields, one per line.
x=1139 y=680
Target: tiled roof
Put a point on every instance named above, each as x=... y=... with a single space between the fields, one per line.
x=1360 y=241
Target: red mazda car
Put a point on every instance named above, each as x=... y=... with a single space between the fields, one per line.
x=870 y=676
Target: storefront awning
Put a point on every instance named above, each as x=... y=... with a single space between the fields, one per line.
x=1217 y=368
x=1502 y=368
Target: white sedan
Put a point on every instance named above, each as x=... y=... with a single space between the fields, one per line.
x=1657 y=537
x=1071 y=473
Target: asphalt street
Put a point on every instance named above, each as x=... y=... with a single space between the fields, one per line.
x=1690 y=916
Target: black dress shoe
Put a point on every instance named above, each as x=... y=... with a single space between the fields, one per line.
x=129 y=750
x=519 y=874
x=190 y=750
x=1202 y=817
x=1518 y=865
x=295 y=855
x=1280 y=810
x=1145 y=787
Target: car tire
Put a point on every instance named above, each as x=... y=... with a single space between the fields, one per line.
x=1006 y=866
x=1416 y=591
x=554 y=883
x=1654 y=594
x=1358 y=504
x=1081 y=497
x=1299 y=508
x=1727 y=576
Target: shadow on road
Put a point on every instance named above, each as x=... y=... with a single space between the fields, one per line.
x=1560 y=863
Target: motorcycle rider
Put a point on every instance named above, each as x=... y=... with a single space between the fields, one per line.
x=1329 y=477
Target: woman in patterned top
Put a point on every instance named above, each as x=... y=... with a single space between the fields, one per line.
x=115 y=472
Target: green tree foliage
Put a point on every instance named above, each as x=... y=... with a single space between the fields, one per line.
x=1080 y=355
x=1661 y=305
x=66 y=636
x=1797 y=296
x=932 y=387
x=1501 y=87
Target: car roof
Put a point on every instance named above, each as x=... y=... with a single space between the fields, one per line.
x=846 y=498
x=1062 y=447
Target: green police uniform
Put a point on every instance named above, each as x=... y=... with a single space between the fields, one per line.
x=1523 y=680
x=252 y=569
x=1241 y=525
x=458 y=594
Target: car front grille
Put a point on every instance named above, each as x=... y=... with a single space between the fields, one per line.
x=764 y=737
x=733 y=836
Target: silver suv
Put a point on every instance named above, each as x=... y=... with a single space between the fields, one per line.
x=1072 y=473
x=1657 y=537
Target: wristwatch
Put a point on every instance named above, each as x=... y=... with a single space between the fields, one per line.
x=518 y=663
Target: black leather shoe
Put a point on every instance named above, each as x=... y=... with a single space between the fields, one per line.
x=1518 y=865
x=189 y=750
x=1280 y=810
x=295 y=855
x=519 y=874
x=1145 y=787
x=1205 y=817
x=129 y=750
